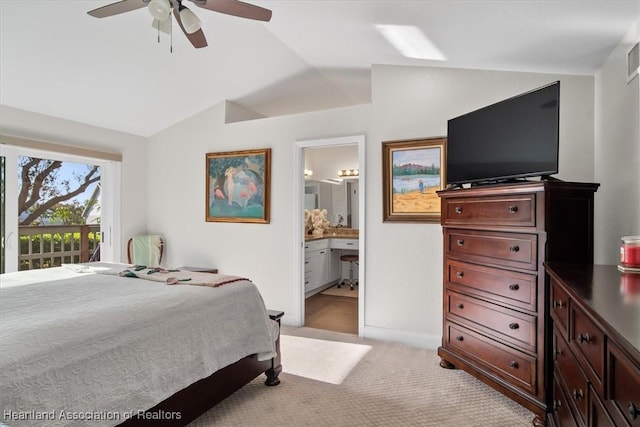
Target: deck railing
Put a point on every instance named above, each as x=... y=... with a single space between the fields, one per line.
x=52 y=245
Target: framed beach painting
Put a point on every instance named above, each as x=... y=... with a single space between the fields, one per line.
x=412 y=172
x=238 y=186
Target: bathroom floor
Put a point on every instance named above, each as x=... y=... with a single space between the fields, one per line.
x=333 y=313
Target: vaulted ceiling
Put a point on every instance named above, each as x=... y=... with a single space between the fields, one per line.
x=313 y=54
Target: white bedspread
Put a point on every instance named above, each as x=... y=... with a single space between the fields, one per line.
x=85 y=345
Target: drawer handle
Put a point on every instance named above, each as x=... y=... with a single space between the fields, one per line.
x=513 y=209
x=460 y=274
x=514 y=326
x=557 y=404
x=515 y=248
x=459 y=306
x=513 y=364
x=458 y=210
x=577 y=394
x=633 y=411
x=460 y=242
x=584 y=338
x=460 y=338
x=306 y=282
x=557 y=304
x=514 y=287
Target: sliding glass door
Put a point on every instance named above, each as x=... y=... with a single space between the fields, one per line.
x=57 y=208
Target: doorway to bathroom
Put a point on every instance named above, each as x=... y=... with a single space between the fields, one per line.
x=330 y=283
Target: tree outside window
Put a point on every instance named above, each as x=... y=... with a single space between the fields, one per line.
x=53 y=192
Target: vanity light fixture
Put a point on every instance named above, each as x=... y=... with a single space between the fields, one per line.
x=348 y=172
x=308 y=172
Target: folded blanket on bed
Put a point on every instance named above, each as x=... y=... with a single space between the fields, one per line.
x=156 y=274
x=179 y=277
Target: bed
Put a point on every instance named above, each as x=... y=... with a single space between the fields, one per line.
x=83 y=344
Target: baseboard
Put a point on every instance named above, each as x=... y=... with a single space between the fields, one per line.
x=291 y=320
x=431 y=342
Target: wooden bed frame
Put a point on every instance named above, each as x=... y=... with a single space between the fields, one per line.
x=199 y=397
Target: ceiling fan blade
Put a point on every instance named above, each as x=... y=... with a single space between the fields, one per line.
x=236 y=8
x=197 y=39
x=118 y=7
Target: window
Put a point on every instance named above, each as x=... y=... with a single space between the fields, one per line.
x=57 y=208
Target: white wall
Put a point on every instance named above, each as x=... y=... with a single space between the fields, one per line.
x=617 y=152
x=25 y=124
x=404 y=261
x=176 y=203
x=325 y=162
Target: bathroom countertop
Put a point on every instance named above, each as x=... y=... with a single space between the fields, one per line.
x=334 y=233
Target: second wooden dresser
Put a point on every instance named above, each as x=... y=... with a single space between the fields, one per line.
x=496 y=319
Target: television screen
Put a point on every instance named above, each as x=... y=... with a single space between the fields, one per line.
x=514 y=138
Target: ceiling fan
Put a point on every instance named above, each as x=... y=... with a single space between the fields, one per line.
x=187 y=20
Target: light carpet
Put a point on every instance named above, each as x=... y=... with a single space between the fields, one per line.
x=322 y=360
x=343 y=291
x=392 y=385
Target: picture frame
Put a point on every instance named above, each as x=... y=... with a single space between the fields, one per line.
x=238 y=187
x=412 y=172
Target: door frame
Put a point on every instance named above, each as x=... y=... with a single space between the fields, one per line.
x=298 y=198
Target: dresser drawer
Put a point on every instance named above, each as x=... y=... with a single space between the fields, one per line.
x=588 y=339
x=493 y=211
x=598 y=415
x=562 y=412
x=504 y=286
x=572 y=376
x=500 y=249
x=623 y=388
x=517 y=368
x=513 y=327
x=559 y=307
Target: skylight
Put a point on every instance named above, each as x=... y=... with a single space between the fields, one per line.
x=411 y=42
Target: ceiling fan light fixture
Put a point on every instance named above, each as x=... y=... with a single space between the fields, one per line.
x=190 y=21
x=160 y=9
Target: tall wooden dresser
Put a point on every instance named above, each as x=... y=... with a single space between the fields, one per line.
x=496 y=322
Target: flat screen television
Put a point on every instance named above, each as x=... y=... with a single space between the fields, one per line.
x=514 y=138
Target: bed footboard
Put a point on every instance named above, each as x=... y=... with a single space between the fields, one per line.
x=189 y=403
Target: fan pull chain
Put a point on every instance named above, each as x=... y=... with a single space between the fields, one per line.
x=171 y=41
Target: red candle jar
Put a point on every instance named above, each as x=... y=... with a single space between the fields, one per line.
x=630 y=252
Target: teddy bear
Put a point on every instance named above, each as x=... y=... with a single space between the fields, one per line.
x=308 y=226
x=316 y=221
